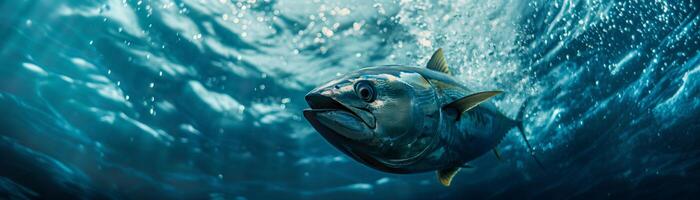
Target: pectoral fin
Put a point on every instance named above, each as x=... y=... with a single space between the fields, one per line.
x=468 y=102
x=445 y=175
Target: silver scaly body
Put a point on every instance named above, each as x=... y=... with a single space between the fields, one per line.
x=402 y=119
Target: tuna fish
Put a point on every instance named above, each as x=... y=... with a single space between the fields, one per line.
x=401 y=119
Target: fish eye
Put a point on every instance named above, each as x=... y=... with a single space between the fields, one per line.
x=365 y=91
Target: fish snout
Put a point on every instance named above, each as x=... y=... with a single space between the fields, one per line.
x=321 y=99
x=316 y=100
x=329 y=115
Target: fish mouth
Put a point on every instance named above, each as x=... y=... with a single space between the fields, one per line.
x=321 y=103
x=331 y=118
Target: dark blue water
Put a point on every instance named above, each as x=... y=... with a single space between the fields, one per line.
x=190 y=99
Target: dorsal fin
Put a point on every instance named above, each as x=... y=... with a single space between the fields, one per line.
x=437 y=62
x=470 y=101
x=445 y=175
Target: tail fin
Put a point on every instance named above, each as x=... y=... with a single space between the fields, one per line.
x=521 y=128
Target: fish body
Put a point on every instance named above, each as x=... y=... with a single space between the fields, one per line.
x=401 y=119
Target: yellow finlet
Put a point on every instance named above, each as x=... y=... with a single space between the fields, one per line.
x=445 y=175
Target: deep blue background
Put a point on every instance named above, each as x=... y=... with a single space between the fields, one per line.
x=189 y=99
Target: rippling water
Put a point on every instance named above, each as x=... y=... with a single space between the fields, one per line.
x=195 y=99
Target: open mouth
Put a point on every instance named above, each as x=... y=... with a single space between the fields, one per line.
x=319 y=115
x=330 y=117
x=320 y=102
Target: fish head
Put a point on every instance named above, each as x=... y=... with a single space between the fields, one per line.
x=375 y=115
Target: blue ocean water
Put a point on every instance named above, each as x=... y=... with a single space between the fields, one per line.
x=199 y=99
